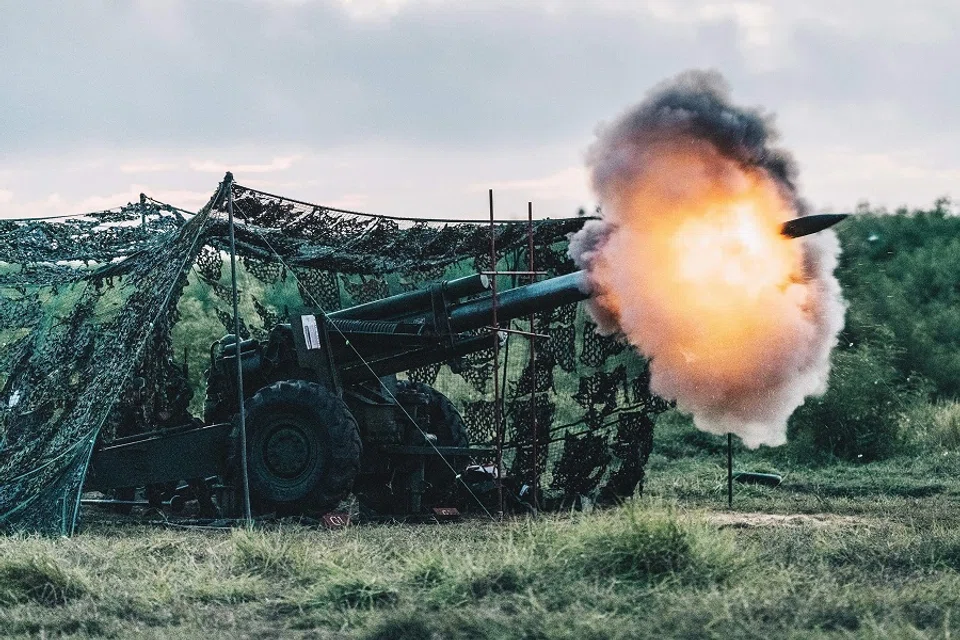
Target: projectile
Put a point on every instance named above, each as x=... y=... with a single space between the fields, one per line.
x=806 y=225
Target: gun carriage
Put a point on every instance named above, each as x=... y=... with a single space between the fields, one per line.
x=325 y=413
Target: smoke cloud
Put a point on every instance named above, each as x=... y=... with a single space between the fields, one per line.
x=688 y=264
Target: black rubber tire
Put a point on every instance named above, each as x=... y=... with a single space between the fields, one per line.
x=445 y=422
x=303 y=448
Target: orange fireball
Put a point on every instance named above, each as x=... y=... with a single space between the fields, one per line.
x=694 y=271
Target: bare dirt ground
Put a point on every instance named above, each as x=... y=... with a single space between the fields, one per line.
x=737 y=520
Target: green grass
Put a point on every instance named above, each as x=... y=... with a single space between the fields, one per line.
x=38 y=578
x=837 y=551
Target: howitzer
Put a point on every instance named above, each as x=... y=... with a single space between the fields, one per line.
x=325 y=413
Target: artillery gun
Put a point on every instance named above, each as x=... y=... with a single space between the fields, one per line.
x=325 y=413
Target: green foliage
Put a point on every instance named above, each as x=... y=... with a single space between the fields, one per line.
x=198 y=326
x=935 y=426
x=902 y=271
x=859 y=418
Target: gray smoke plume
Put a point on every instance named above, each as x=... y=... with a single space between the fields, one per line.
x=688 y=265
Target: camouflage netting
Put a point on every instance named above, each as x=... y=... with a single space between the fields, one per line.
x=106 y=321
x=83 y=303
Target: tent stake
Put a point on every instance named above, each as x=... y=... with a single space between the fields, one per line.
x=730 y=471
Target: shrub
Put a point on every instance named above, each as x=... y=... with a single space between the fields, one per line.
x=860 y=415
x=935 y=425
x=902 y=271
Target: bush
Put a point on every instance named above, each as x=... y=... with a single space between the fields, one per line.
x=935 y=425
x=902 y=271
x=859 y=418
x=675 y=437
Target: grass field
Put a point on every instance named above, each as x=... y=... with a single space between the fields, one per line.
x=838 y=550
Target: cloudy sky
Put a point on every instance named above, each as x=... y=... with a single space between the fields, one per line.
x=416 y=107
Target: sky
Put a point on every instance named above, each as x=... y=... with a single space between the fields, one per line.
x=417 y=107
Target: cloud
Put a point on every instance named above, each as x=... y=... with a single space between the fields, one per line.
x=277 y=164
x=568 y=184
x=350 y=202
x=379 y=178
x=373 y=9
x=761 y=29
x=6 y=196
x=148 y=167
x=412 y=92
x=881 y=178
x=56 y=204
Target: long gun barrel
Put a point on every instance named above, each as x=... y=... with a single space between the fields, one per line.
x=521 y=301
x=425 y=327
x=414 y=301
x=432 y=325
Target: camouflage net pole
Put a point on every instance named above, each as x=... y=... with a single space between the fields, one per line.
x=234 y=295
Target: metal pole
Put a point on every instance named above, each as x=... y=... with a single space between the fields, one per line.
x=496 y=356
x=245 y=477
x=509 y=331
x=729 y=470
x=535 y=481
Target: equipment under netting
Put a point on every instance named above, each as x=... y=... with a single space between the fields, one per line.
x=107 y=322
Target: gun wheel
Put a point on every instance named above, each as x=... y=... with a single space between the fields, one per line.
x=303 y=449
x=445 y=422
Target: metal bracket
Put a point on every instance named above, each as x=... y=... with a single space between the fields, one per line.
x=441 y=322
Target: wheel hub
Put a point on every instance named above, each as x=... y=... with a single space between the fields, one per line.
x=287 y=451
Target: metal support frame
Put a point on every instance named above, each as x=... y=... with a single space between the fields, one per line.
x=496 y=358
x=535 y=453
x=245 y=477
x=532 y=335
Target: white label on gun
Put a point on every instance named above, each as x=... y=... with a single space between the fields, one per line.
x=311 y=335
